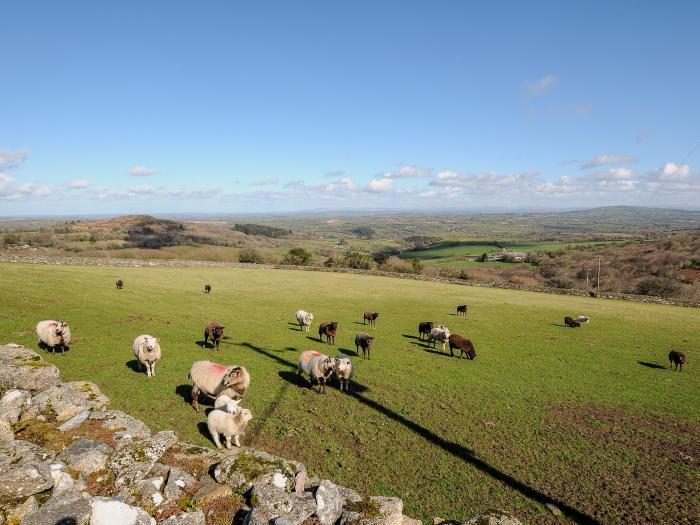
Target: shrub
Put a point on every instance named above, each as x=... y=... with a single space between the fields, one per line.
x=250 y=255
x=560 y=282
x=417 y=266
x=658 y=286
x=366 y=232
x=297 y=257
x=359 y=261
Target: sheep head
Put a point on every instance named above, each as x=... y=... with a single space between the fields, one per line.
x=334 y=325
x=217 y=331
x=237 y=379
x=151 y=344
x=242 y=416
x=343 y=367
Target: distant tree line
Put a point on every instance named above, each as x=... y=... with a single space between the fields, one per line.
x=263 y=230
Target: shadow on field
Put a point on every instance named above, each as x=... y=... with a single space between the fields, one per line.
x=348 y=351
x=358 y=322
x=202 y=428
x=559 y=325
x=651 y=365
x=455 y=449
x=438 y=352
x=407 y=336
x=295 y=327
x=134 y=365
x=295 y=379
x=315 y=339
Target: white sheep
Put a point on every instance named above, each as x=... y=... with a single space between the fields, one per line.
x=441 y=334
x=317 y=366
x=344 y=371
x=230 y=425
x=583 y=319
x=147 y=353
x=53 y=334
x=224 y=402
x=304 y=319
x=214 y=380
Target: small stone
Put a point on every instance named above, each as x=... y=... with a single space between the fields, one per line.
x=554 y=510
x=494 y=517
x=210 y=491
x=86 y=456
x=71 y=508
x=17 y=514
x=24 y=479
x=106 y=511
x=329 y=503
x=13 y=403
x=410 y=521
x=75 y=421
x=189 y=518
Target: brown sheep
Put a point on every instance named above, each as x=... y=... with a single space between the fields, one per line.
x=371 y=317
x=424 y=329
x=215 y=332
x=678 y=358
x=465 y=346
x=329 y=329
x=365 y=341
x=568 y=321
x=120 y=284
x=207 y=288
x=462 y=310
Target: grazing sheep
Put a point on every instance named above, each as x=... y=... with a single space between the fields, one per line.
x=215 y=332
x=304 y=319
x=329 y=329
x=344 y=371
x=568 y=321
x=462 y=310
x=53 y=334
x=583 y=319
x=678 y=358
x=441 y=334
x=465 y=346
x=147 y=353
x=317 y=366
x=120 y=284
x=230 y=425
x=371 y=317
x=227 y=404
x=207 y=288
x=365 y=341
x=214 y=380
x=424 y=329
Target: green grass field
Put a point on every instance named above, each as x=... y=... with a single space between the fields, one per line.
x=590 y=418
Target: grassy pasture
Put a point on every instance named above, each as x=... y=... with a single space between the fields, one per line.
x=589 y=418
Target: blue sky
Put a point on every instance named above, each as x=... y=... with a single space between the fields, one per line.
x=278 y=106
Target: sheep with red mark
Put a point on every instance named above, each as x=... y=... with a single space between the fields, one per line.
x=213 y=380
x=318 y=367
x=53 y=335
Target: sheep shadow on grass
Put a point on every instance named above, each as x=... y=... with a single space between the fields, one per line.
x=315 y=339
x=652 y=365
x=134 y=365
x=408 y=336
x=438 y=352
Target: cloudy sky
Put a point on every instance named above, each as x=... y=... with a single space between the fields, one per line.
x=224 y=106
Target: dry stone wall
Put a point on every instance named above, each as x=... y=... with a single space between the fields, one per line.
x=67 y=458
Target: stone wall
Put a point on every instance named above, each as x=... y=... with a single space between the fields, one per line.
x=67 y=458
x=96 y=261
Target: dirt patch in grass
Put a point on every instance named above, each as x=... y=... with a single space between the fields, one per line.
x=638 y=468
x=221 y=511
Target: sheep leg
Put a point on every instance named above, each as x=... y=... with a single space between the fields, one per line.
x=237 y=440
x=228 y=442
x=195 y=399
x=153 y=369
x=215 y=436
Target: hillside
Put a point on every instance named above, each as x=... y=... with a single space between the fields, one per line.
x=539 y=407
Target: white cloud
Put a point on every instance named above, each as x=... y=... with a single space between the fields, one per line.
x=406 y=172
x=671 y=172
x=380 y=185
x=484 y=182
x=79 y=184
x=9 y=190
x=606 y=160
x=270 y=181
x=540 y=87
x=334 y=174
x=12 y=159
x=142 y=171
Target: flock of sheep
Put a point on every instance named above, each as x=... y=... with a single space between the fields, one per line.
x=227 y=384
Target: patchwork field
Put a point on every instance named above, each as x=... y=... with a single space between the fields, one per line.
x=591 y=419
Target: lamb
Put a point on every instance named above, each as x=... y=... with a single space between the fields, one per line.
x=225 y=403
x=371 y=317
x=465 y=346
x=678 y=358
x=207 y=288
x=365 y=341
x=424 y=329
x=329 y=329
x=568 y=321
x=441 y=334
x=214 y=380
x=344 y=371
x=53 y=335
x=230 y=425
x=147 y=353
x=120 y=284
x=462 y=310
x=583 y=319
x=317 y=366
x=215 y=332
x=304 y=319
